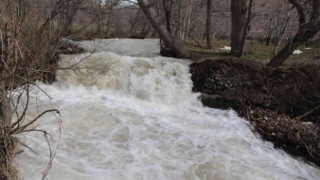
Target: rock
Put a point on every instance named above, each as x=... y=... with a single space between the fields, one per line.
x=167 y=52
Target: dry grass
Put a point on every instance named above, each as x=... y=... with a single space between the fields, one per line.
x=26 y=55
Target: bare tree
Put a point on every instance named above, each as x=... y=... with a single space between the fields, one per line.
x=171 y=42
x=28 y=45
x=309 y=26
x=241 y=16
x=67 y=13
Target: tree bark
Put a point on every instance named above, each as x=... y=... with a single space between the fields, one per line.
x=246 y=27
x=5 y=113
x=167 y=6
x=240 y=19
x=6 y=143
x=208 y=25
x=170 y=41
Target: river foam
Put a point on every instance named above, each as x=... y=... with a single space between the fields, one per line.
x=134 y=116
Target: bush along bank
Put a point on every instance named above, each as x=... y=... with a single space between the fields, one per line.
x=282 y=104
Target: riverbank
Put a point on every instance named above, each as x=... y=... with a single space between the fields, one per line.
x=281 y=104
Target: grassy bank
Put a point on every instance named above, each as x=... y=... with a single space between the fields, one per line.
x=254 y=51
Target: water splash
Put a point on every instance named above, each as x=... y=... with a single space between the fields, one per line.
x=133 y=117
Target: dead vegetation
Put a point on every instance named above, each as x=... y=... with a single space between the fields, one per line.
x=28 y=52
x=291 y=134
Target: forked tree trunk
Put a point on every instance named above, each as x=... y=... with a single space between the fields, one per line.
x=306 y=32
x=170 y=41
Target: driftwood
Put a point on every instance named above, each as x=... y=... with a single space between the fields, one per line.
x=291 y=134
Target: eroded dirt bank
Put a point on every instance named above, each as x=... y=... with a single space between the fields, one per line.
x=282 y=104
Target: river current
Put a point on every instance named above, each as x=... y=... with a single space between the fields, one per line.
x=127 y=113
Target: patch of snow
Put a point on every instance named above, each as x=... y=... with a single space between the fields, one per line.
x=226 y=48
x=307 y=123
x=297 y=51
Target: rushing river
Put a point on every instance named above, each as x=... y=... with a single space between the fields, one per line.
x=128 y=113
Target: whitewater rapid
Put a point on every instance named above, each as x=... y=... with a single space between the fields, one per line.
x=127 y=113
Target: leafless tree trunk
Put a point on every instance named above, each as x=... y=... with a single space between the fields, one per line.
x=167 y=6
x=186 y=17
x=170 y=41
x=241 y=15
x=5 y=112
x=246 y=27
x=307 y=30
x=208 y=25
x=6 y=144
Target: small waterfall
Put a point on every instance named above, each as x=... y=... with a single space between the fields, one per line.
x=157 y=79
x=128 y=113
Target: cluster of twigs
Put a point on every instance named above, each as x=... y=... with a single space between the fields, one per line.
x=291 y=134
x=27 y=53
x=30 y=38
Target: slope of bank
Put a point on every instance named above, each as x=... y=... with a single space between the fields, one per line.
x=282 y=104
